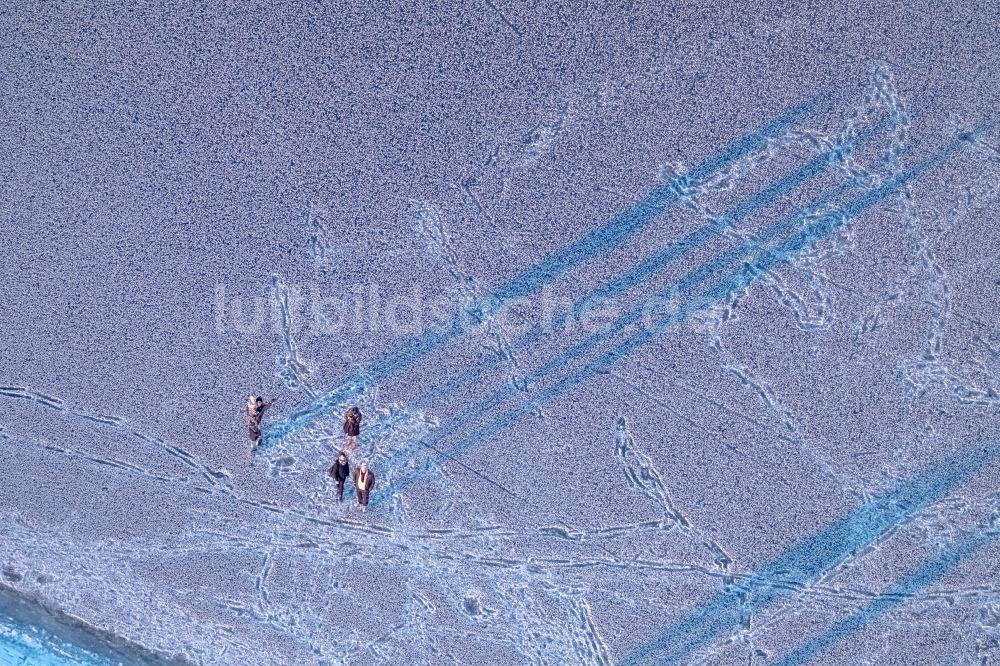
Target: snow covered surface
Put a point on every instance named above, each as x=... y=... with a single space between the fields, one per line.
x=768 y=434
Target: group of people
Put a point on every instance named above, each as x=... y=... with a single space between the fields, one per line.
x=363 y=477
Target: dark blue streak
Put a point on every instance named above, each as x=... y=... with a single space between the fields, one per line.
x=605 y=238
x=736 y=281
x=930 y=572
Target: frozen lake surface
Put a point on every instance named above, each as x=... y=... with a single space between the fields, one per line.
x=675 y=332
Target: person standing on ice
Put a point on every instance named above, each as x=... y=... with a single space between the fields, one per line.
x=252 y=417
x=352 y=427
x=255 y=411
x=364 y=483
x=340 y=472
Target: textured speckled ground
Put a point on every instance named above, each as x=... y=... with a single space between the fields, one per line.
x=793 y=457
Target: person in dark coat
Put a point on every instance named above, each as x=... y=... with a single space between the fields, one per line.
x=340 y=472
x=352 y=427
x=251 y=416
x=364 y=483
x=255 y=411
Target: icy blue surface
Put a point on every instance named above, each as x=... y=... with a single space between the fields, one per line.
x=24 y=644
x=16 y=647
x=775 y=441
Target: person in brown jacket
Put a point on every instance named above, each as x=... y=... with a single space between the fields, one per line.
x=364 y=483
x=352 y=427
